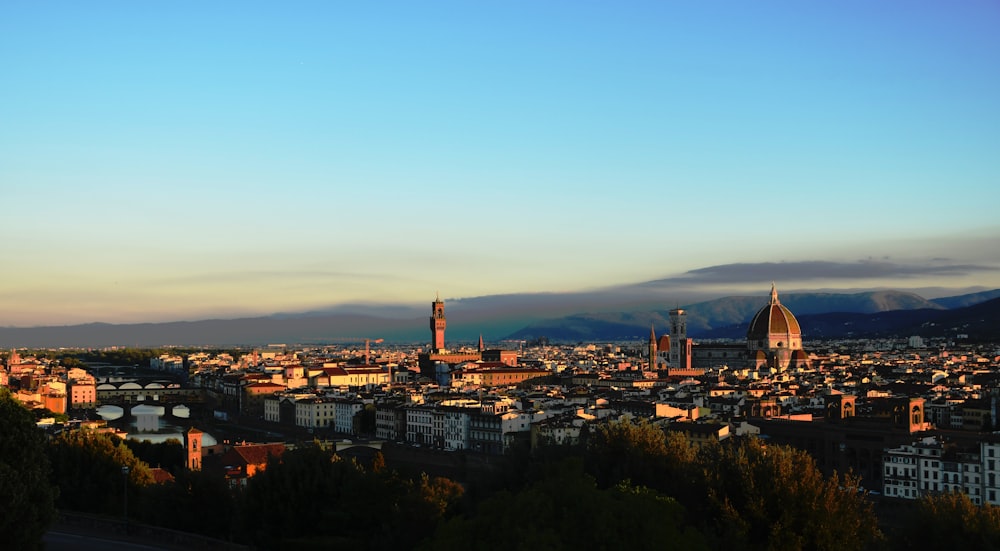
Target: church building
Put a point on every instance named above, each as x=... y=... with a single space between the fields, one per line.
x=773 y=341
x=774 y=338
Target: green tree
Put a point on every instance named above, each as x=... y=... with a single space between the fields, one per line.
x=312 y=498
x=644 y=454
x=949 y=521
x=627 y=450
x=169 y=455
x=195 y=501
x=741 y=493
x=774 y=497
x=87 y=468
x=42 y=413
x=567 y=510
x=26 y=494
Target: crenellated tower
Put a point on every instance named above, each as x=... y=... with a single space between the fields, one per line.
x=438 y=325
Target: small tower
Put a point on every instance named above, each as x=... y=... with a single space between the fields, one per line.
x=482 y=346
x=13 y=359
x=652 y=348
x=192 y=443
x=839 y=406
x=438 y=325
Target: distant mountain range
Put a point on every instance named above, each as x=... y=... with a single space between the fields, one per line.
x=529 y=316
x=821 y=315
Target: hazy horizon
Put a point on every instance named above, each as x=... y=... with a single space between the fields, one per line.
x=621 y=298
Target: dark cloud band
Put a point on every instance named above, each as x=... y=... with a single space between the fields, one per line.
x=819 y=270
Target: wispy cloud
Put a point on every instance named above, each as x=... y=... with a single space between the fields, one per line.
x=256 y=276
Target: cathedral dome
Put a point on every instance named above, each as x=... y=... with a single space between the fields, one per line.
x=776 y=324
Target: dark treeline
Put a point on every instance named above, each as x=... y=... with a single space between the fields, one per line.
x=124 y=357
x=628 y=485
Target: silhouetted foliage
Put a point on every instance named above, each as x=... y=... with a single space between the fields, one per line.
x=742 y=493
x=566 y=510
x=628 y=485
x=87 y=468
x=774 y=497
x=195 y=501
x=949 y=521
x=313 y=498
x=43 y=413
x=124 y=356
x=169 y=455
x=625 y=450
x=26 y=493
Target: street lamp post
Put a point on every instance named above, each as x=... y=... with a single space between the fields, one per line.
x=125 y=493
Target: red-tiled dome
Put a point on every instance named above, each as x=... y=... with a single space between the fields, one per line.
x=773 y=319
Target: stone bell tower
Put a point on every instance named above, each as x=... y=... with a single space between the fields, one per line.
x=192 y=445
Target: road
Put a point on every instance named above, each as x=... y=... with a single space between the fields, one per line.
x=56 y=540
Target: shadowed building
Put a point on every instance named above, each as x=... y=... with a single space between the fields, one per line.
x=243 y=461
x=850 y=437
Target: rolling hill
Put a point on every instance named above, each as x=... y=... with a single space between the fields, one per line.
x=528 y=316
x=821 y=315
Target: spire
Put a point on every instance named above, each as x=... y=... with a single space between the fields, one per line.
x=481 y=346
x=774 y=294
x=652 y=334
x=437 y=296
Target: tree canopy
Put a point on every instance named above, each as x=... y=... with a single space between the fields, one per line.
x=743 y=493
x=87 y=467
x=949 y=521
x=26 y=494
x=311 y=497
x=567 y=510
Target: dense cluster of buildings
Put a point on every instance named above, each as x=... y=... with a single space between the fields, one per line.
x=910 y=417
x=39 y=383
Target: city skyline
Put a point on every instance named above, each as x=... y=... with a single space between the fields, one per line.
x=181 y=162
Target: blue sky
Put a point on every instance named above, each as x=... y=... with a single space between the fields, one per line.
x=182 y=160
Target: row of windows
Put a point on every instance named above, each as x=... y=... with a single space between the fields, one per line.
x=892 y=471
